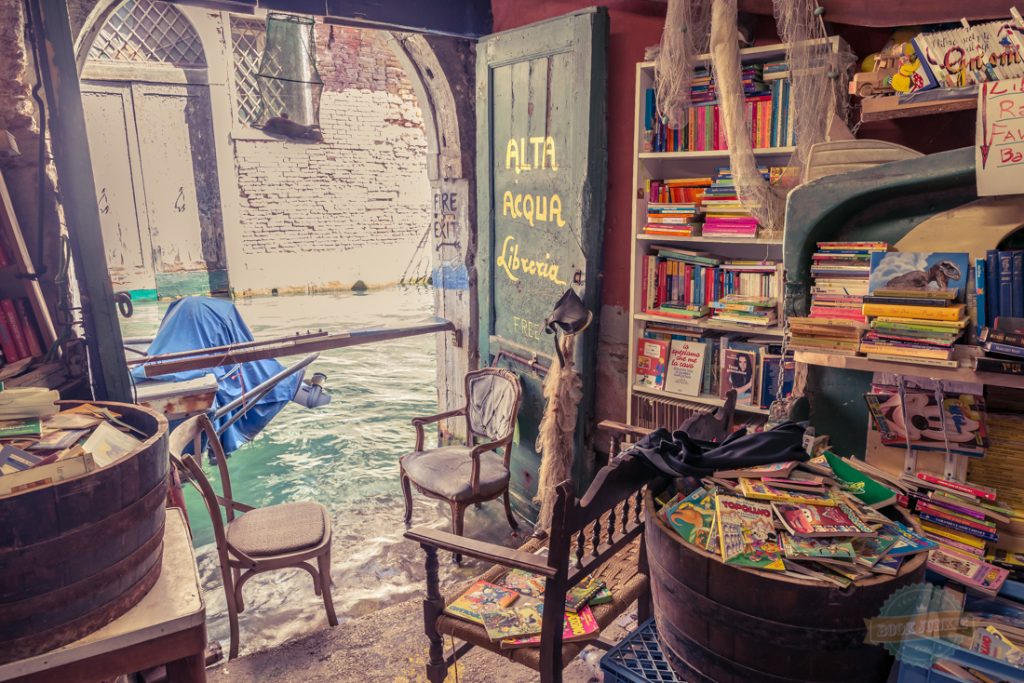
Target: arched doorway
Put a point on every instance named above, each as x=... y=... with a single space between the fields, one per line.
x=148 y=114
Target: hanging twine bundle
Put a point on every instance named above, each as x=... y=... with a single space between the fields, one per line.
x=563 y=389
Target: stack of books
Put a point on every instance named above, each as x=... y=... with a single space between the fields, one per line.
x=19 y=334
x=746 y=309
x=817 y=520
x=913 y=307
x=674 y=206
x=836 y=320
x=1003 y=344
x=724 y=214
x=999 y=282
x=703 y=90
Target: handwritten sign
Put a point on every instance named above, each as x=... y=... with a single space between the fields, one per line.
x=999 y=151
x=450 y=230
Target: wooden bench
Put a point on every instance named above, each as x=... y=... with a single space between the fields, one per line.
x=600 y=534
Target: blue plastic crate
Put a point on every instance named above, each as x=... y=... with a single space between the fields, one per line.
x=638 y=659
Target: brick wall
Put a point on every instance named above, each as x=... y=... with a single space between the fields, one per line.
x=365 y=187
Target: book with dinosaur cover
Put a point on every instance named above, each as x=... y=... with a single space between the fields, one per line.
x=821 y=520
x=481 y=597
x=746 y=533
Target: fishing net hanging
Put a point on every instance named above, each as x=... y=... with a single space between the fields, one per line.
x=289 y=83
x=818 y=76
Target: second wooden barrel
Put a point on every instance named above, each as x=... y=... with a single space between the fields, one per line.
x=727 y=624
x=79 y=553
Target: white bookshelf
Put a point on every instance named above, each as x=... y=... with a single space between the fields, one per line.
x=654 y=165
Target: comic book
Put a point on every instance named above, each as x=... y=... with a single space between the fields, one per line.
x=816 y=548
x=580 y=625
x=521 y=619
x=910 y=542
x=872 y=549
x=481 y=597
x=758 y=489
x=746 y=532
x=958 y=423
x=524 y=582
x=821 y=520
x=693 y=518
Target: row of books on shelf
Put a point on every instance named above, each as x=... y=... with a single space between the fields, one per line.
x=768 y=117
x=655 y=409
x=19 y=335
x=41 y=446
x=708 y=207
x=711 y=364
x=999 y=285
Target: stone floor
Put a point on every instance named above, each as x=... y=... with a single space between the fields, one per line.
x=389 y=647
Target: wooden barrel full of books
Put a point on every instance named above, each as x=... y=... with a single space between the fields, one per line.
x=77 y=553
x=728 y=624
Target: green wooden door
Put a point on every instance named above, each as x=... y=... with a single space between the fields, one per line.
x=541 y=179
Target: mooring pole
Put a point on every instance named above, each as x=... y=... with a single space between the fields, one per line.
x=52 y=31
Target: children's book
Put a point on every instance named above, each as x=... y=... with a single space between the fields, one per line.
x=521 y=619
x=968 y=570
x=579 y=625
x=989 y=641
x=746 y=533
x=481 y=597
x=872 y=549
x=693 y=518
x=888 y=565
x=911 y=271
x=652 y=354
x=685 y=369
x=775 y=469
x=821 y=520
x=867 y=490
x=958 y=423
x=817 y=548
x=909 y=541
x=524 y=582
x=601 y=597
x=759 y=490
x=580 y=594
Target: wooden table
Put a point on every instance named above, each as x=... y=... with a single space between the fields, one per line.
x=168 y=626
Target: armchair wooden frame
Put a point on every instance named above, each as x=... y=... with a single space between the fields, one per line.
x=600 y=534
x=473 y=434
x=236 y=566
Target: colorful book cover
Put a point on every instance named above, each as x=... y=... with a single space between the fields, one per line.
x=580 y=625
x=889 y=564
x=693 y=517
x=757 y=489
x=746 y=532
x=910 y=542
x=867 y=490
x=872 y=549
x=481 y=597
x=911 y=270
x=821 y=520
x=601 y=597
x=981 y=308
x=958 y=424
x=739 y=372
x=968 y=570
x=775 y=469
x=817 y=548
x=524 y=582
x=521 y=619
x=580 y=594
x=652 y=355
x=989 y=641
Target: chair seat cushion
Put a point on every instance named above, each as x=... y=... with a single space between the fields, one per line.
x=279 y=529
x=447 y=472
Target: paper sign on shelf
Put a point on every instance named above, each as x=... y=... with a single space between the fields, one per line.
x=999 y=147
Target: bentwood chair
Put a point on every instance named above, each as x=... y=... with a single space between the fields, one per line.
x=261 y=539
x=471 y=474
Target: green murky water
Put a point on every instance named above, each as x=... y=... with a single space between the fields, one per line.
x=344 y=455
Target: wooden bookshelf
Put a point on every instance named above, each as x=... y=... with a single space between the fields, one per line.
x=883 y=108
x=651 y=165
x=960 y=374
x=704 y=399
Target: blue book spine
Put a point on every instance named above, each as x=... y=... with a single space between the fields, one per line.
x=1003 y=349
x=991 y=286
x=1006 y=284
x=956 y=526
x=649 y=110
x=1018 y=284
x=979 y=294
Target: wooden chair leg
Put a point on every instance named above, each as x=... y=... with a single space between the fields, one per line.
x=407 y=492
x=458 y=513
x=324 y=563
x=508 y=512
x=233 y=622
x=433 y=607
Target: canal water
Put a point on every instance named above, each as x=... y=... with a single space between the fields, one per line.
x=344 y=455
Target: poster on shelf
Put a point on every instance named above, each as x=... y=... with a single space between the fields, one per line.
x=685 y=367
x=999 y=147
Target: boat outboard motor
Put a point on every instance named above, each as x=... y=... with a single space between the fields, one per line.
x=311 y=394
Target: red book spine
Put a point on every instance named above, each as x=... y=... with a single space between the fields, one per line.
x=718 y=131
x=28 y=327
x=7 y=343
x=662 y=285
x=984 y=494
x=643 y=286
x=945 y=514
x=11 y=318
